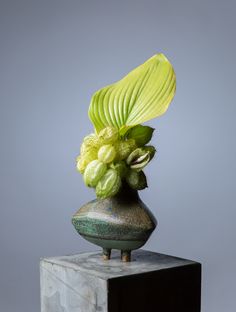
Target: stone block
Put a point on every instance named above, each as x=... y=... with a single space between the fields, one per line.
x=151 y=282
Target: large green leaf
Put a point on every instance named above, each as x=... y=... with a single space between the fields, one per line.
x=145 y=93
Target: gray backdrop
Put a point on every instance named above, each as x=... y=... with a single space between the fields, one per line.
x=54 y=55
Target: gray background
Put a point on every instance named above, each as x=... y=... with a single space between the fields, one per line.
x=54 y=55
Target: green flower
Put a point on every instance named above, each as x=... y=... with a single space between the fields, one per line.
x=120 y=167
x=94 y=171
x=138 y=159
x=107 y=153
x=117 y=151
x=108 y=135
x=124 y=148
x=109 y=184
x=83 y=160
x=90 y=142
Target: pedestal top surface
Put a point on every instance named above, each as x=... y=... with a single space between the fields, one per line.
x=142 y=262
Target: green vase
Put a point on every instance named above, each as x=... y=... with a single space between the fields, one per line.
x=120 y=222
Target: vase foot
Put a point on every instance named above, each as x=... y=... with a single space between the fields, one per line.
x=106 y=254
x=125 y=255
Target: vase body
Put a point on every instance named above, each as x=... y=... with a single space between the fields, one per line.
x=120 y=222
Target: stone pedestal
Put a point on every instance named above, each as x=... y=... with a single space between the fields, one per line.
x=151 y=282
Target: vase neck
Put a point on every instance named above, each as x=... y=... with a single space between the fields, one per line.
x=126 y=193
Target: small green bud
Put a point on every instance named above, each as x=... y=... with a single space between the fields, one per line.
x=124 y=148
x=141 y=134
x=120 y=167
x=90 y=142
x=136 y=180
x=138 y=159
x=83 y=160
x=108 y=135
x=106 y=153
x=109 y=184
x=80 y=164
x=90 y=154
x=94 y=171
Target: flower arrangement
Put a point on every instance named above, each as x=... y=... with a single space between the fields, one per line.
x=119 y=149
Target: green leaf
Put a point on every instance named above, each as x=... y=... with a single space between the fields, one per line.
x=136 y=180
x=141 y=134
x=145 y=93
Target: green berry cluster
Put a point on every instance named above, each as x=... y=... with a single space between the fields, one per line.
x=107 y=159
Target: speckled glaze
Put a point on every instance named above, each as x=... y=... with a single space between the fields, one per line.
x=121 y=222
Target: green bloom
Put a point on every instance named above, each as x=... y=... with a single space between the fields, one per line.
x=83 y=160
x=81 y=164
x=138 y=159
x=90 y=142
x=117 y=150
x=124 y=148
x=108 y=135
x=109 y=184
x=120 y=167
x=94 y=171
x=106 y=153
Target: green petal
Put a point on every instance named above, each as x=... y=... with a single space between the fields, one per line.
x=145 y=93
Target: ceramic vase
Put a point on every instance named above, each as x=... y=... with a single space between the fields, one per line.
x=120 y=222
